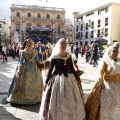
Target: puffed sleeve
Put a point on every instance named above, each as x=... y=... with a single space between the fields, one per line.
x=52 y=63
x=72 y=69
x=101 y=70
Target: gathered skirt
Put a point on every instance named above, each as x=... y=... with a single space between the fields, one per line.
x=62 y=99
x=26 y=89
x=104 y=104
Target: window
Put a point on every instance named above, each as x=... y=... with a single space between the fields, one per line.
x=58 y=29
x=58 y=16
x=99 y=22
x=98 y=33
x=99 y=12
x=86 y=36
x=47 y=16
x=106 y=9
x=81 y=27
x=17 y=27
x=86 y=43
x=0 y=25
x=91 y=42
x=92 y=34
x=81 y=35
x=38 y=16
x=81 y=18
x=29 y=14
x=78 y=35
x=77 y=28
x=106 y=21
x=106 y=32
x=92 y=26
x=86 y=26
x=18 y=14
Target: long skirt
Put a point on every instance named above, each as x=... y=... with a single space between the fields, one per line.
x=62 y=99
x=26 y=89
x=104 y=104
x=110 y=102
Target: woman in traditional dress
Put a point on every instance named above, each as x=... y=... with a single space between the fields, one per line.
x=103 y=102
x=26 y=87
x=61 y=97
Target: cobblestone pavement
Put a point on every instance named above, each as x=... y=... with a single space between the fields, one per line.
x=17 y=112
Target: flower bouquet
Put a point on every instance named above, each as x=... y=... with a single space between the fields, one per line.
x=40 y=66
x=79 y=72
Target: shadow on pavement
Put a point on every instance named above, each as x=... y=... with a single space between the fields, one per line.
x=3 y=101
x=7 y=114
x=87 y=81
x=32 y=108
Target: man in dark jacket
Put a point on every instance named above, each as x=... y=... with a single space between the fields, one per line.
x=41 y=51
x=76 y=51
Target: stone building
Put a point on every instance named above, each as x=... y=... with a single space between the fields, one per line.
x=69 y=31
x=25 y=17
x=101 y=22
x=4 y=31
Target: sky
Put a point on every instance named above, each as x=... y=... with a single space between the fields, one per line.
x=70 y=6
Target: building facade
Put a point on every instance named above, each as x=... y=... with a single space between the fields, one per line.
x=27 y=17
x=102 y=22
x=68 y=30
x=4 y=31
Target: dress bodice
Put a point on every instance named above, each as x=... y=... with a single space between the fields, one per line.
x=62 y=66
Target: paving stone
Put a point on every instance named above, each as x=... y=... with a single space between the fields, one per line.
x=17 y=112
x=9 y=117
x=7 y=110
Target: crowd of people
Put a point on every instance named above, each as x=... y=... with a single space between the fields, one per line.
x=91 y=53
x=61 y=95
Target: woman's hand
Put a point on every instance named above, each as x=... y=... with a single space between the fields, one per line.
x=44 y=87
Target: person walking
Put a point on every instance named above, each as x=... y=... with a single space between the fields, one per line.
x=61 y=98
x=76 y=51
x=41 y=51
x=95 y=56
x=103 y=103
x=26 y=86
